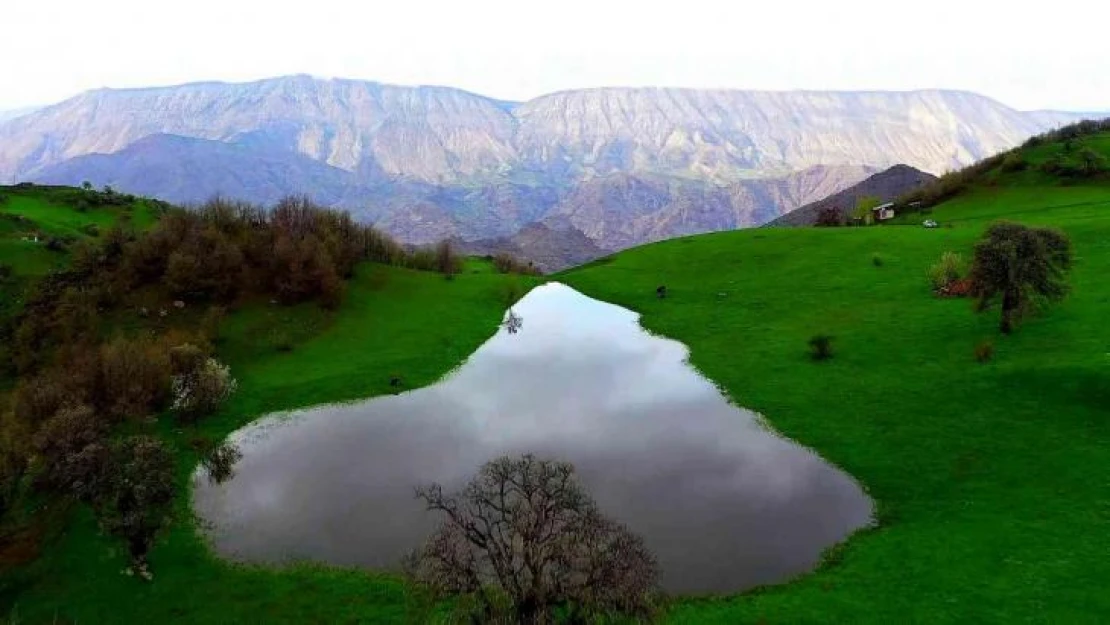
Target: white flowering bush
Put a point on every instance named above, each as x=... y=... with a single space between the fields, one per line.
x=200 y=392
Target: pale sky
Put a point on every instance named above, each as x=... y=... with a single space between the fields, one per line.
x=1027 y=55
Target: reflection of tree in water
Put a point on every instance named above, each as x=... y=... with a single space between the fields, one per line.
x=513 y=322
x=219 y=461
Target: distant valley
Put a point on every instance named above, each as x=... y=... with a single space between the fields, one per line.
x=604 y=169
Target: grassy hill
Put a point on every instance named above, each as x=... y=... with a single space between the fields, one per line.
x=394 y=322
x=989 y=478
x=38 y=226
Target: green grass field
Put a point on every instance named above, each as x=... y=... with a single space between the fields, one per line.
x=48 y=212
x=394 y=322
x=989 y=478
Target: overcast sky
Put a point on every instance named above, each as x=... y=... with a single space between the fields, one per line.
x=1042 y=55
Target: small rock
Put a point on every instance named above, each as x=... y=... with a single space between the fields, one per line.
x=178 y=304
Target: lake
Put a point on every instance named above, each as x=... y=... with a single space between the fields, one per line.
x=723 y=501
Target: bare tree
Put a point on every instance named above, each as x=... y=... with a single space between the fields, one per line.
x=523 y=536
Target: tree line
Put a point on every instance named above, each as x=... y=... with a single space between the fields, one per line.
x=1075 y=161
x=126 y=335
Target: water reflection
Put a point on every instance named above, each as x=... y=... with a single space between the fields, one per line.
x=724 y=503
x=513 y=322
x=218 y=461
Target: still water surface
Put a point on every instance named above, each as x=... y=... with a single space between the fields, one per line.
x=724 y=502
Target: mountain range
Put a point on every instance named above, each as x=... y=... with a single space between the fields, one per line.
x=619 y=165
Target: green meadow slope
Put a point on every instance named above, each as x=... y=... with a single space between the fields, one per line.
x=990 y=478
x=62 y=213
x=412 y=324
x=993 y=504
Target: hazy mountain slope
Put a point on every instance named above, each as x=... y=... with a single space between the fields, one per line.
x=422 y=213
x=622 y=210
x=722 y=135
x=5 y=115
x=623 y=166
x=186 y=170
x=615 y=211
x=429 y=133
x=439 y=134
x=551 y=247
x=886 y=185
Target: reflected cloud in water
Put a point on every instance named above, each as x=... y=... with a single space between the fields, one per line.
x=724 y=502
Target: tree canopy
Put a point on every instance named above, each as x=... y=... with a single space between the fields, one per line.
x=1016 y=266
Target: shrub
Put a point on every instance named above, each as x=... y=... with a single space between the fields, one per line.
x=1092 y=163
x=136 y=496
x=207 y=264
x=447 y=261
x=1014 y=162
x=984 y=351
x=72 y=448
x=39 y=397
x=6 y=271
x=829 y=218
x=946 y=271
x=820 y=347
x=134 y=378
x=504 y=262
x=200 y=392
x=186 y=358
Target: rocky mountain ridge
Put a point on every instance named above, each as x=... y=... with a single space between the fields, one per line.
x=446 y=135
x=621 y=165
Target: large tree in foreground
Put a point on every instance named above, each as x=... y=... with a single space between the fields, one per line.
x=523 y=539
x=1016 y=265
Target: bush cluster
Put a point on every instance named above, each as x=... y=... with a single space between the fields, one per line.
x=820 y=347
x=1083 y=163
x=505 y=262
x=60 y=429
x=984 y=351
x=946 y=272
x=75 y=387
x=829 y=217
